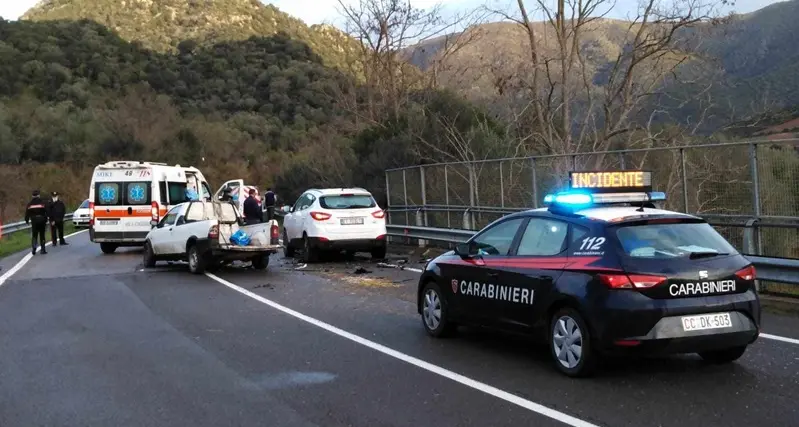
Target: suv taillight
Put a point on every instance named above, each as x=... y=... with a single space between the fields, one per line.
x=379 y=214
x=91 y=214
x=213 y=233
x=747 y=273
x=320 y=216
x=630 y=281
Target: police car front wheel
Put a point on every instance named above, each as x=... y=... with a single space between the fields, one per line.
x=570 y=343
x=434 y=312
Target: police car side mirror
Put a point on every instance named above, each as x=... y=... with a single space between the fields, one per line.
x=465 y=250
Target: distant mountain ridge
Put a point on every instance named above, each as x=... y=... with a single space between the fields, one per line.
x=757 y=53
x=161 y=25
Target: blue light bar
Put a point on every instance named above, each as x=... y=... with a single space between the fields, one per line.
x=582 y=199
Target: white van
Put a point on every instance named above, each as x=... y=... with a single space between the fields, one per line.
x=127 y=197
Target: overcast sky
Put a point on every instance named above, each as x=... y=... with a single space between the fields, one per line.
x=326 y=11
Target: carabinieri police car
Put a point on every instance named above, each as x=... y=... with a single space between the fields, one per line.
x=600 y=270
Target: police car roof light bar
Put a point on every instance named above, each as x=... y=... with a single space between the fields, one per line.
x=570 y=199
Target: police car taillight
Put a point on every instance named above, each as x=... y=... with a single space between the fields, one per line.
x=630 y=281
x=747 y=273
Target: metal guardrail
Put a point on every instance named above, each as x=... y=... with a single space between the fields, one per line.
x=783 y=270
x=19 y=226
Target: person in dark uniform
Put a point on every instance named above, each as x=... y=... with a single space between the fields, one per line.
x=56 y=210
x=252 y=212
x=270 y=199
x=36 y=216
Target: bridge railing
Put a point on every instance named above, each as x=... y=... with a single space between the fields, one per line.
x=13 y=227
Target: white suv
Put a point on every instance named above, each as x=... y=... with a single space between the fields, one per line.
x=337 y=219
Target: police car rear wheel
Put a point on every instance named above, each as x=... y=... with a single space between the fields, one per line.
x=726 y=355
x=434 y=312
x=570 y=343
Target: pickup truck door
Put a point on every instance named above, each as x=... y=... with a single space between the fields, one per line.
x=232 y=185
x=160 y=237
x=180 y=232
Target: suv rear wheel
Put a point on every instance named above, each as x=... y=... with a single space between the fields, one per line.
x=288 y=250
x=570 y=343
x=379 y=253
x=309 y=253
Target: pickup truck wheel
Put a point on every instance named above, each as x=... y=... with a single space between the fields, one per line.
x=149 y=255
x=197 y=261
x=260 y=262
x=309 y=253
x=288 y=250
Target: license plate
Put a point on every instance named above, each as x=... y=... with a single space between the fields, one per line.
x=706 y=321
x=351 y=221
x=108 y=222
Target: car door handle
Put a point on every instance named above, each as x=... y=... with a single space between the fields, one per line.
x=493 y=274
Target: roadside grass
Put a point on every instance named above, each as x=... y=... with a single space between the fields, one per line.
x=21 y=240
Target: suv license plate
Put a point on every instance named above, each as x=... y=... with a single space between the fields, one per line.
x=706 y=321
x=351 y=221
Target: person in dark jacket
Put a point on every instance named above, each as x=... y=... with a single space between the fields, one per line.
x=252 y=212
x=270 y=199
x=36 y=216
x=56 y=210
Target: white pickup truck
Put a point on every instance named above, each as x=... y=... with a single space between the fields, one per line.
x=200 y=231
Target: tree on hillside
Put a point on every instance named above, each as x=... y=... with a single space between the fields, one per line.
x=385 y=29
x=565 y=106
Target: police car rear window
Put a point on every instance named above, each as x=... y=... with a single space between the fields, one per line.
x=355 y=201
x=660 y=241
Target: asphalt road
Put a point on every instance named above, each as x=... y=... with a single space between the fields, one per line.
x=95 y=340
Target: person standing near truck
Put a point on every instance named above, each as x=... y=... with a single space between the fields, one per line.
x=252 y=211
x=270 y=199
x=36 y=216
x=56 y=210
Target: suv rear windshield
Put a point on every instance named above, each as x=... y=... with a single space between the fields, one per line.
x=355 y=201
x=672 y=240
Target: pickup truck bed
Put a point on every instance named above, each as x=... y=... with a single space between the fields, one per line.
x=203 y=238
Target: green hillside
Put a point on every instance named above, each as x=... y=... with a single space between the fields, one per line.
x=163 y=24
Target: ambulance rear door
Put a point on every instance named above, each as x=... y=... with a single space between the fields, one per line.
x=122 y=204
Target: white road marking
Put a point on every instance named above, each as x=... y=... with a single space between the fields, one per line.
x=25 y=260
x=779 y=338
x=477 y=385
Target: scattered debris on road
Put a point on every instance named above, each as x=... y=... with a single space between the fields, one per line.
x=361 y=270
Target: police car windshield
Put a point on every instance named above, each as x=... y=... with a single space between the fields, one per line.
x=691 y=240
x=354 y=201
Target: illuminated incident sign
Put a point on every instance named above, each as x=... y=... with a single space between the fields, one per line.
x=639 y=180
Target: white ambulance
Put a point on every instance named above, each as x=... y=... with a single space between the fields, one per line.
x=126 y=198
